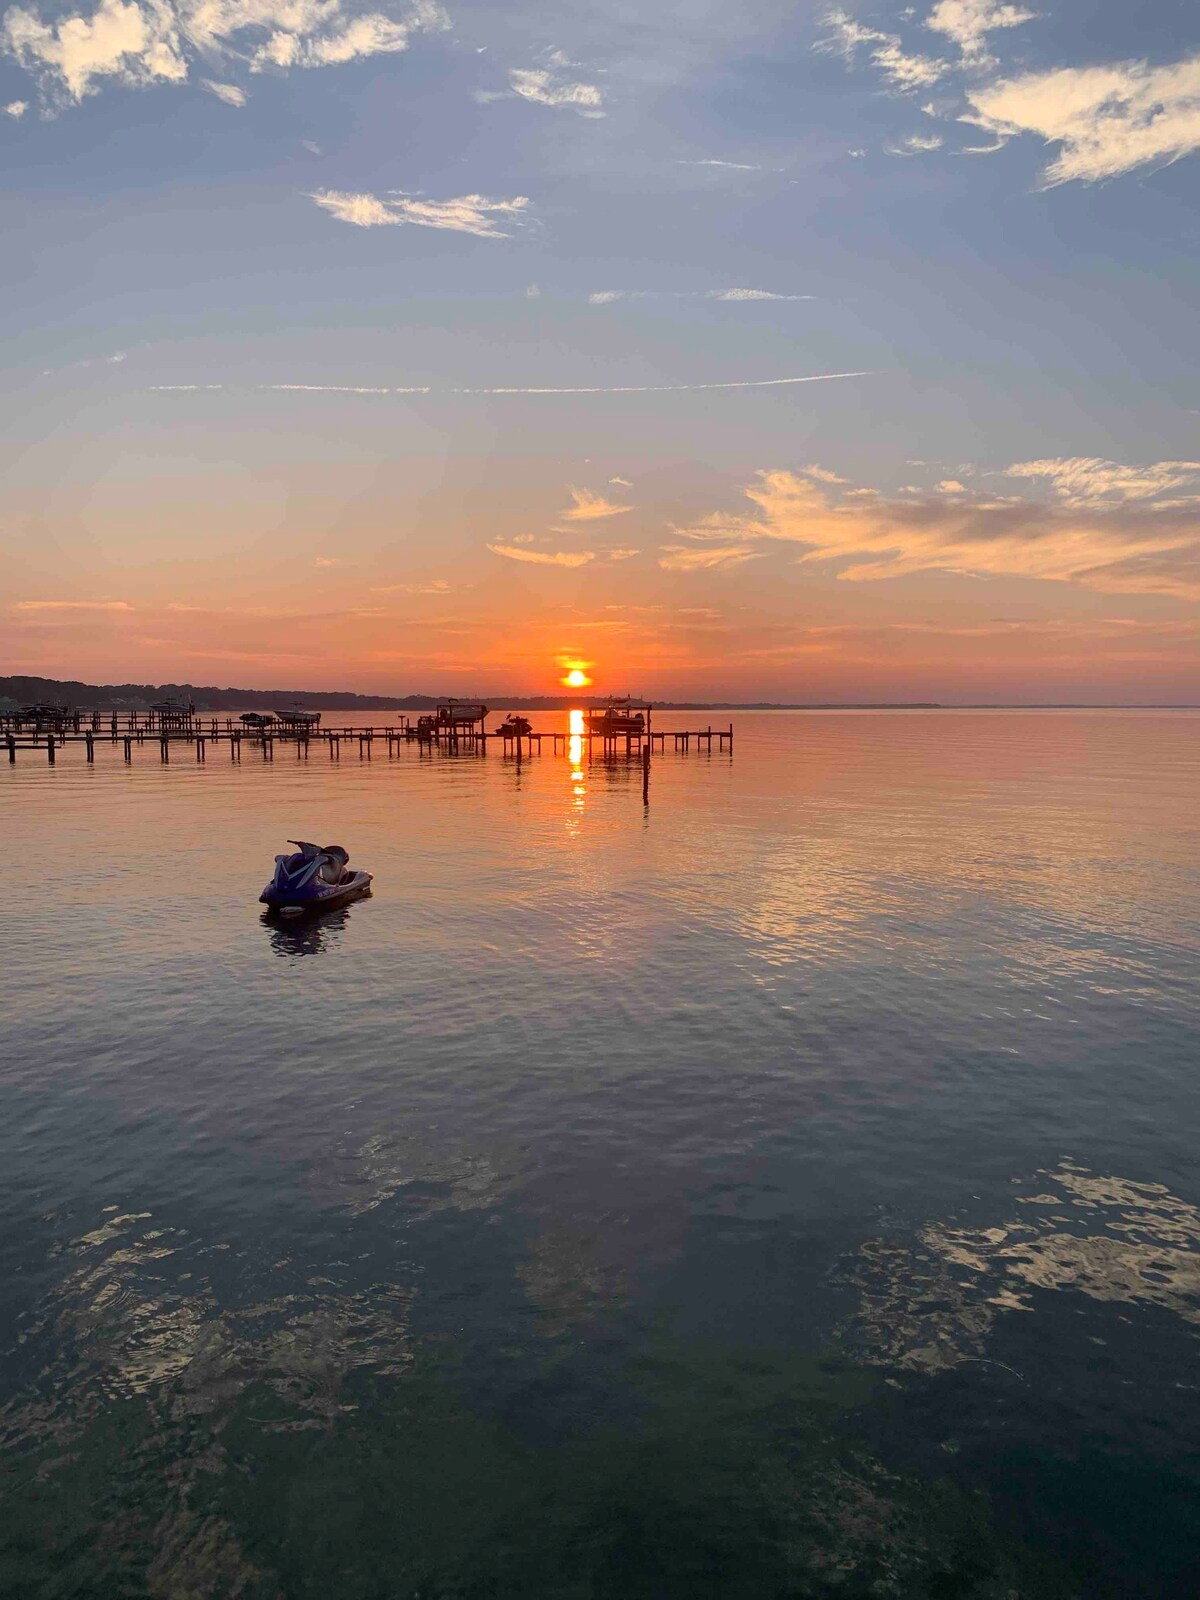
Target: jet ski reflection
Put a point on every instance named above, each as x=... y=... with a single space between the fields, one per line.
x=312 y=935
x=314 y=878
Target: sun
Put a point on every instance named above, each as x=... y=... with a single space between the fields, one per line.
x=577 y=678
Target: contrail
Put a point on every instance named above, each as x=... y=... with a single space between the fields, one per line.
x=624 y=388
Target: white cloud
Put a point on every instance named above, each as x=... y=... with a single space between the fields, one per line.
x=533 y=292
x=1103 y=120
x=624 y=483
x=622 y=555
x=951 y=486
x=1107 y=120
x=1092 y=481
x=468 y=213
x=606 y=297
x=589 y=507
x=538 y=85
x=544 y=558
x=734 y=166
x=228 y=92
x=135 y=42
x=915 y=144
x=752 y=294
x=16 y=108
x=552 y=85
x=968 y=22
x=905 y=72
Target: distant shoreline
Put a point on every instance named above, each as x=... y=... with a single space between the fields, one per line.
x=209 y=698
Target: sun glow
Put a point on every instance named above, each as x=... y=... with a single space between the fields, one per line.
x=576 y=678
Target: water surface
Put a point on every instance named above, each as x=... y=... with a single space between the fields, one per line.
x=784 y=1188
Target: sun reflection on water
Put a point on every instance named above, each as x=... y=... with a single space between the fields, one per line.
x=575 y=728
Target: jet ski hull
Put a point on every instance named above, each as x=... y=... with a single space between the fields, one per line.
x=317 y=896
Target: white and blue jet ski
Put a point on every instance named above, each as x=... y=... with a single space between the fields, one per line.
x=314 y=878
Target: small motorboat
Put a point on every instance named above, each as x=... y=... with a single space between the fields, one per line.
x=616 y=718
x=314 y=878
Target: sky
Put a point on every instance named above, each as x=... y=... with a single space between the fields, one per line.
x=772 y=351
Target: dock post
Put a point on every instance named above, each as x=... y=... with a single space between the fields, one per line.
x=89 y=740
x=646 y=773
x=128 y=747
x=12 y=748
x=164 y=749
x=50 y=748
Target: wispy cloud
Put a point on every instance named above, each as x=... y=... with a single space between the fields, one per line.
x=691 y=558
x=544 y=558
x=16 y=109
x=752 y=294
x=436 y=586
x=71 y=605
x=228 y=92
x=607 y=297
x=114 y=360
x=1143 y=549
x=733 y=166
x=1092 y=481
x=137 y=42
x=1106 y=120
x=588 y=507
x=904 y=71
x=467 y=213
x=553 y=85
x=915 y=144
x=624 y=483
x=621 y=388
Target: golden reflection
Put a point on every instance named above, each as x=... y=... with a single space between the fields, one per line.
x=575 y=728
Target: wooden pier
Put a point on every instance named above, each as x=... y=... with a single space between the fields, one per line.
x=196 y=735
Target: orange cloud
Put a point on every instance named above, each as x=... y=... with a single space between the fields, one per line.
x=592 y=507
x=544 y=558
x=1145 y=549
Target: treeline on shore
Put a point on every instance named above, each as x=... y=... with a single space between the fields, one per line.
x=140 y=696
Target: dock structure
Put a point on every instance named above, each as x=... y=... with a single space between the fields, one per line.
x=455 y=727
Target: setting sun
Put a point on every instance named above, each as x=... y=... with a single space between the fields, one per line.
x=577 y=678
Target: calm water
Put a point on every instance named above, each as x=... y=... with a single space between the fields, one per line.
x=786 y=1189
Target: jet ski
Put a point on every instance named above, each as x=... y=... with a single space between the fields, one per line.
x=314 y=878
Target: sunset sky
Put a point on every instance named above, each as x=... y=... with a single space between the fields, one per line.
x=768 y=350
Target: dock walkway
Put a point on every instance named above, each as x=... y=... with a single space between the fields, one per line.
x=140 y=731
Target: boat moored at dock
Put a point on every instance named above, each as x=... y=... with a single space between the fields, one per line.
x=617 y=718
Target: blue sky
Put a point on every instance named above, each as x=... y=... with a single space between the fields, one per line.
x=226 y=217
